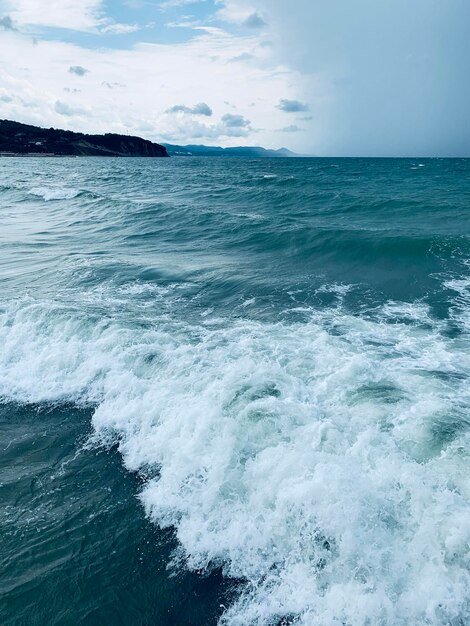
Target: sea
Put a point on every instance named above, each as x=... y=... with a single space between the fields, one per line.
x=234 y=392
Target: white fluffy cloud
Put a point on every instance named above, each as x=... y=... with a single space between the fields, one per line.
x=170 y=4
x=72 y=14
x=119 y=29
x=198 y=109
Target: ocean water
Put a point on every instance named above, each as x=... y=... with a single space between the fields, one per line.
x=235 y=392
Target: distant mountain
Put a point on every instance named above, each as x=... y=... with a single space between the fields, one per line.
x=254 y=152
x=22 y=139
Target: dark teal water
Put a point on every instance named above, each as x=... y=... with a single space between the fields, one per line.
x=235 y=391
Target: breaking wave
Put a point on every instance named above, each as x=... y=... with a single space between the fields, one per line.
x=324 y=464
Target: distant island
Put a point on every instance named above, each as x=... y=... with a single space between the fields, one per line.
x=18 y=139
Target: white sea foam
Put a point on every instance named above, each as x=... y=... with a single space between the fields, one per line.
x=324 y=462
x=50 y=193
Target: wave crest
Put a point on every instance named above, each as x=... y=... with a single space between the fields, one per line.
x=48 y=193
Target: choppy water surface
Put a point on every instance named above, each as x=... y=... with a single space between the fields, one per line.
x=235 y=392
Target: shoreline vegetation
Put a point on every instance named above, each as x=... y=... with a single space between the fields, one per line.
x=24 y=140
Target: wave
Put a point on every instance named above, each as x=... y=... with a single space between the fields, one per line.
x=322 y=463
x=51 y=193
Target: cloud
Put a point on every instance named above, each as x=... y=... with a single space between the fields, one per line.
x=109 y=85
x=254 y=20
x=235 y=121
x=198 y=109
x=5 y=96
x=230 y=125
x=71 y=14
x=244 y=56
x=242 y=13
x=170 y=4
x=119 y=29
x=292 y=106
x=293 y=128
x=78 y=70
x=83 y=15
x=7 y=23
x=62 y=108
x=197 y=26
x=192 y=129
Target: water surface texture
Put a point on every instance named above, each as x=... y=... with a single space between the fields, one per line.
x=235 y=392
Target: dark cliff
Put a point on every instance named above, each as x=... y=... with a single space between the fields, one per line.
x=24 y=139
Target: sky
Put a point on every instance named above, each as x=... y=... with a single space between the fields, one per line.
x=321 y=77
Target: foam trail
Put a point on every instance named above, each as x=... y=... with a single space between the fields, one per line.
x=327 y=470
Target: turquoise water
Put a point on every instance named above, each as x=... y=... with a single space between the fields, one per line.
x=235 y=391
